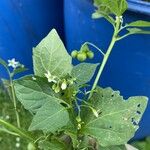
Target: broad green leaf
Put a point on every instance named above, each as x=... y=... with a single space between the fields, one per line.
x=118 y=119
x=139 y=23
x=83 y=72
x=51 y=117
x=52 y=145
x=51 y=55
x=33 y=93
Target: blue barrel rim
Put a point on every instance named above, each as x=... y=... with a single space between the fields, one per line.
x=139 y=6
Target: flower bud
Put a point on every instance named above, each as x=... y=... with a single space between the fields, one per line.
x=64 y=85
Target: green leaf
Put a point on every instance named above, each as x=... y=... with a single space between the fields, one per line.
x=18 y=70
x=51 y=55
x=99 y=14
x=118 y=119
x=139 y=23
x=137 y=31
x=130 y=147
x=117 y=7
x=50 y=117
x=113 y=148
x=2 y=62
x=33 y=94
x=83 y=72
x=123 y=6
x=53 y=145
x=142 y=144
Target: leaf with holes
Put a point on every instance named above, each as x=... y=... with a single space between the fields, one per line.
x=83 y=72
x=51 y=117
x=33 y=93
x=118 y=118
x=51 y=55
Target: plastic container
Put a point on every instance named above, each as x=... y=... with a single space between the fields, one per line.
x=128 y=68
x=23 y=23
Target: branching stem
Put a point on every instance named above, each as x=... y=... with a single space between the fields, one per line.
x=106 y=56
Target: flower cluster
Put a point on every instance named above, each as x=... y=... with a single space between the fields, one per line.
x=58 y=84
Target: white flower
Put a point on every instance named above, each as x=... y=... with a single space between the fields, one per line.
x=64 y=85
x=13 y=63
x=17 y=145
x=33 y=78
x=50 y=78
x=119 y=17
x=7 y=117
x=17 y=139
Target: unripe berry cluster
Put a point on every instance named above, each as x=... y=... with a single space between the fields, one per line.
x=83 y=54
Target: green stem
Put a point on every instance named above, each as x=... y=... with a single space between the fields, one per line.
x=91 y=44
x=16 y=130
x=13 y=97
x=15 y=102
x=106 y=56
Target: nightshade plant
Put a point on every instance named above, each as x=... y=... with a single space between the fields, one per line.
x=66 y=114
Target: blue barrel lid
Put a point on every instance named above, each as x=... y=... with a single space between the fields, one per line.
x=140 y=6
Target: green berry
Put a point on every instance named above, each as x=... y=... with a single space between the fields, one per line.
x=90 y=55
x=84 y=48
x=74 y=54
x=54 y=86
x=81 y=56
x=31 y=146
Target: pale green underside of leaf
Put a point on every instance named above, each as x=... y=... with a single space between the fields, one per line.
x=113 y=148
x=33 y=94
x=83 y=72
x=118 y=119
x=139 y=23
x=37 y=96
x=51 y=55
x=50 y=117
x=53 y=145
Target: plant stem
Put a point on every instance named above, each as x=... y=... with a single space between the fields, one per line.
x=14 y=102
x=106 y=56
x=16 y=130
x=13 y=96
x=91 y=44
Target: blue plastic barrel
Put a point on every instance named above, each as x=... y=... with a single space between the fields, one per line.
x=128 y=68
x=23 y=23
